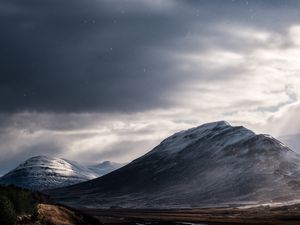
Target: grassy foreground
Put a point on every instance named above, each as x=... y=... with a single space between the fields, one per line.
x=23 y=207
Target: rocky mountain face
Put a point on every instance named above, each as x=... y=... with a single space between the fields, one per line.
x=213 y=164
x=42 y=172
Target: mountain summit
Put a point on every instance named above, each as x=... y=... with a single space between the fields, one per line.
x=43 y=172
x=213 y=164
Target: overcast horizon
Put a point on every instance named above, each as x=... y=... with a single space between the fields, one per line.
x=109 y=80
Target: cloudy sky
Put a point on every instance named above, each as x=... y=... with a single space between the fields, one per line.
x=94 y=80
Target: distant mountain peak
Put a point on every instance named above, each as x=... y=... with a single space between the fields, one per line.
x=105 y=167
x=45 y=172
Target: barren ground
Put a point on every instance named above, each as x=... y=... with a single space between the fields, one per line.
x=287 y=215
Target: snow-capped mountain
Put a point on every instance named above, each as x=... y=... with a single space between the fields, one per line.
x=105 y=167
x=42 y=172
x=215 y=163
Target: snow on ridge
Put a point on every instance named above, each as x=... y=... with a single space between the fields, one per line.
x=42 y=172
x=55 y=165
x=182 y=139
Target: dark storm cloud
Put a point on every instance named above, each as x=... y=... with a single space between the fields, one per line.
x=86 y=56
x=80 y=56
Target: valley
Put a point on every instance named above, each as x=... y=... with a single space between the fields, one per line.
x=285 y=215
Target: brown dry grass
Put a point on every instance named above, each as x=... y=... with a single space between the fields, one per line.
x=47 y=214
x=58 y=215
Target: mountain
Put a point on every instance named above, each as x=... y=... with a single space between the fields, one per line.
x=105 y=167
x=42 y=172
x=213 y=164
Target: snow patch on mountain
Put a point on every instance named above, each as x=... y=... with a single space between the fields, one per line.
x=179 y=141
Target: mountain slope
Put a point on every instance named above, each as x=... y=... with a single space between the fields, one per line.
x=42 y=172
x=215 y=163
x=293 y=141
